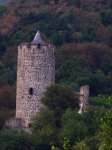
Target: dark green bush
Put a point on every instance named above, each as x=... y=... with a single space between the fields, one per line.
x=99 y=101
x=72 y=69
x=44 y=130
x=73 y=126
x=90 y=118
x=106 y=17
x=15 y=140
x=3 y=9
x=58 y=98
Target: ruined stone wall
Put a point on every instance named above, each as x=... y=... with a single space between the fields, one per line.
x=35 y=71
x=13 y=122
x=84 y=96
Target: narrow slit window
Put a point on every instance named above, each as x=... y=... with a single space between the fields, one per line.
x=38 y=45
x=31 y=91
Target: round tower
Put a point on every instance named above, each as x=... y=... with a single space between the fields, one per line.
x=35 y=71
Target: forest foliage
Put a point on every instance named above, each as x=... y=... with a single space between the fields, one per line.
x=81 y=30
x=81 y=129
x=3 y=1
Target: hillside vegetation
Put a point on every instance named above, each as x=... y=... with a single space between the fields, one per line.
x=81 y=30
x=3 y=1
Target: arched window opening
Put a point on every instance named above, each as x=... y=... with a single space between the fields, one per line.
x=38 y=46
x=29 y=125
x=31 y=91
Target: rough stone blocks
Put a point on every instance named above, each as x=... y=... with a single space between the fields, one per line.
x=35 y=71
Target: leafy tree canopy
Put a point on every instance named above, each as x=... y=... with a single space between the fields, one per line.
x=72 y=69
x=106 y=127
x=14 y=140
x=44 y=130
x=73 y=126
x=89 y=117
x=3 y=9
x=44 y=118
x=2 y=45
x=58 y=98
x=2 y=120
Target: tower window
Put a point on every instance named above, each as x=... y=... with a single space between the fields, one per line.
x=38 y=45
x=31 y=91
x=29 y=125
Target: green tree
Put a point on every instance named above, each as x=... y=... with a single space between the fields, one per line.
x=74 y=86
x=89 y=34
x=73 y=127
x=110 y=3
x=91 y=143
x=58 y=39
x=3 y=9
x=106 y=17
x=44 y=118
x=98 y=82
x=73 y=69
x=15 y=140
x=106 y=132
x=99 y=101
x=46 y=2
x=18 y=38
x=7 y=97
x=106 y=128
x=2 y=82
x=81 y=145
x=74 y=2
x=2 y=120
x=58 y=98
x=56 y=1
x=90 y=118
x=65 y=145
x=10 y=74
x=43 y=129
x=2 y=45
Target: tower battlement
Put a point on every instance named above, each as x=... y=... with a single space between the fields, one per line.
x=28 y=50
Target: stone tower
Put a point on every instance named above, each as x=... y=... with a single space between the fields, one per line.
x=35 y=71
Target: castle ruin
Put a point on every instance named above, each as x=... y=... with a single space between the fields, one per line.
x=35 y=71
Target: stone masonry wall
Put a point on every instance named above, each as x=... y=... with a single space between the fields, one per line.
x=19 y=123
x=35 y=71
x=13 y=122
x=84 y=96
